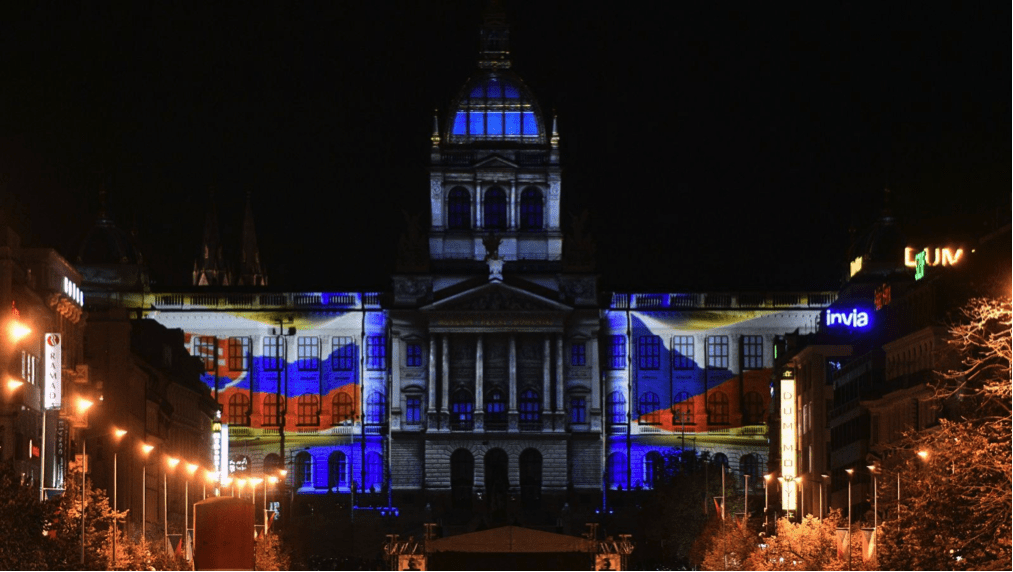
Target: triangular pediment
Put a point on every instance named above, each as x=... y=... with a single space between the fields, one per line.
x=495 y=162
x=496 y=297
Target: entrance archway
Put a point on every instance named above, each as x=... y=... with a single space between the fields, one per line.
x=497 y=478
x=462 y=477
x=531 y=478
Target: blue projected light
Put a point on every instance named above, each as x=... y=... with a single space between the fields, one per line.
x=513 y=122
x=530 y=125
x=476 y=122
x=494 y=123
x=493 y=89
x=461 y=123
x=512 y=92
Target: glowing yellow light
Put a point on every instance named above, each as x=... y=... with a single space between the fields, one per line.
x=172 y=461
x=145 y=448
x=191 y=468
x=83 y=404
x=13 y=384
x=17 y=330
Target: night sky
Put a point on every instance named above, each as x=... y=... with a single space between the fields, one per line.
x=715 y=146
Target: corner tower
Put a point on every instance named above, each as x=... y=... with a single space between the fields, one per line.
x=494 y=169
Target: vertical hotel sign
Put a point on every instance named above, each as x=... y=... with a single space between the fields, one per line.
x=51 y=397
x=789 y=470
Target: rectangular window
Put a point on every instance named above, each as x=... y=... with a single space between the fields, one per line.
x=617 y=352
x=309 y=353
x=682 y=352
x=413 y=410
x=376 y=353
x=578 y=354
x=413 y=355
x=649 y=352
x=205 y=347
x=239 y=354
x=342 y=353
x=578 y=410
x=274 y=353
x=752 y=352
x=717 y=352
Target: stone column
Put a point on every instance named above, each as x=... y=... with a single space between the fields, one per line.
x=595 y=409
x=512 y=202
x=445 y=399
x=431 y=383
x=478 y=202
x=559 y=411
x=395 y=383
x=546 y=382
x=479 y=387
x=512 y=411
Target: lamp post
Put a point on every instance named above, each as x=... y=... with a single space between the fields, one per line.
x=850 y=473
x=145 y=450
x=82 y=406
x=227 y=481
x=272 y=480
x=766 y=501
x=801 y=494
x=118 y=433
x=253 y=489
x=172 y=462
x=823 y=482
x=190 y=469
x=875 y=498
x=746 y=517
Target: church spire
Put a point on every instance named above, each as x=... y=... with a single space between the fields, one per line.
x=250 y=271
x=209 y=268
x=495 y=34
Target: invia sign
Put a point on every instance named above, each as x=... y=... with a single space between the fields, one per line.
x=843 y=317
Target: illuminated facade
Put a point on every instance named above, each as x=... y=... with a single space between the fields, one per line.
x=491 y=373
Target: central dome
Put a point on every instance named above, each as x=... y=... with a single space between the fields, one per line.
x=495 y=105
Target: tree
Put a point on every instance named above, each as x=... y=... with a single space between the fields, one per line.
x=22 y=546
x=64 y=527
x=955 y=507
x=808 y=545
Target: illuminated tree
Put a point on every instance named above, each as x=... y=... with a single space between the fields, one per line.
x=21 y=540
x=956 y=501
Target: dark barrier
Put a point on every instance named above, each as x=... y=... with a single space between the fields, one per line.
x=223 y=534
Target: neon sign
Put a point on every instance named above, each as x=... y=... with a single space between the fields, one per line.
x=53 y=393
x=855 y=318
x=788 y=468
x=933 y=256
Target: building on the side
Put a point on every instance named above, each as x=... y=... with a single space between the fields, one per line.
x=43 y=369
x=147 y=384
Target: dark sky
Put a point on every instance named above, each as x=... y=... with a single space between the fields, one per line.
x=715 y=145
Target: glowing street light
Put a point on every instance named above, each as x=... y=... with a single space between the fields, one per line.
x=145 y=450
x=118 y=433
x=171 y=462
x=17 y=330
x=850 y=473
x=82 y=405
x=766 y=499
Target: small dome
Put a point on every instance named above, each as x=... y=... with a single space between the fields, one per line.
x=105 y=243
x=882 y=243
x=495 y=106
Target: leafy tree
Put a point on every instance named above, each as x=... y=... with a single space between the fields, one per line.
x=64 y=526
x=808 y=545
x=730 y=544
x=956 y=503
x=271 y=554
x=22 y=546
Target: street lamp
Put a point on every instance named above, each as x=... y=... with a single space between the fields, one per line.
x=272 y=480
x=227 y=481
x=172 y=462
x=766 y=501
x=253 y=487
x=118 y=433
x=209 y=477
x=82 y=406
x=875 y=498
x=145 y=449
x=823 y=483
x=190 y=469
x=850 y=473
x=801 y=492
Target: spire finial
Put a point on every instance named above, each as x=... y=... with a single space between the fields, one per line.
x=495 y=50
x=436 y=128
x=555 y=130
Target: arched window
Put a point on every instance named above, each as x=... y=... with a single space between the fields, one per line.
x=495 y=410
x=303 y=470
x=374 y=472
x=337 y=470
x=462 y=477
x=459 y=209
x=720 y=460
x=717 y=408
x=752 y=409
x=531 y=478
x=461 y=408
x=376 y=406
x=682 y=411
x=308 y=410
x=650 y=408
x=341 y=408
x=272 y=464
x=239 y=406
x=494 y=209
x=273 y=406
x=530 y=405
x=531 y=209
x=617 y=408
x=615 y=470
x=749 y=465
x=654 y=468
